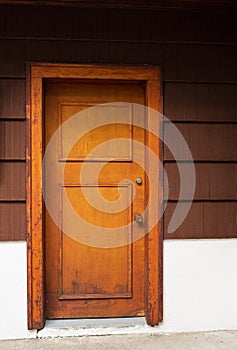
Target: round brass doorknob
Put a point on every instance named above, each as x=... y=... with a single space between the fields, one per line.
x=138 y=218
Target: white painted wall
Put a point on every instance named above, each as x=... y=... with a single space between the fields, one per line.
x=200 y=287
x=13 y=291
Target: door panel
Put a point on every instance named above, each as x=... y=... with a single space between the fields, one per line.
x=95 y=137
x=83 y=280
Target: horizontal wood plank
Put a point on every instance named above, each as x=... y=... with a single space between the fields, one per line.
x=200 y=102
x=12 y=96
x=12 y=181
x=200 y=63
x=204 y=220
x=189 y=54
x=172 y=26
x=83 y=52
x=105 y=24
x=12 y=59
x=13 y=140
x=181 y=62
x=207 y=142
x=89 y=72
x=213 y=181
x=12 y=221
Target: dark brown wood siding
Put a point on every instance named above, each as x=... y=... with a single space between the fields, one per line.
x=198 y=56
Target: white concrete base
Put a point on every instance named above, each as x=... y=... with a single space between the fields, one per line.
x=200 y=293
x=89 y=327
x=13 y=291
x=200 y=285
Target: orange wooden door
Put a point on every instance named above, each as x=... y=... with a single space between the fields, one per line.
x=90 y=280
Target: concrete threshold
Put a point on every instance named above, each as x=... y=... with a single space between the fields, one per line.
x=222 y=340
x=89 y=327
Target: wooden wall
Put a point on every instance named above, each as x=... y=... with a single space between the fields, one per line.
x=198 y=53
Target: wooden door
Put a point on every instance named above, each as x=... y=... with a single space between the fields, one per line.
x=90 y=280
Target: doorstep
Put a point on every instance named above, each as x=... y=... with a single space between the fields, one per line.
x=102 y=326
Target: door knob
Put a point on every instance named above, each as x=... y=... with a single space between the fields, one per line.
x=138 y=180
x=138 y=218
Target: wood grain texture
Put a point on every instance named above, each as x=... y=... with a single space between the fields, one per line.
x=200 y=102
x=12 y=59
x=154 y=246
x=213 y=181
x=201 y=63
x=207 y=142
x=12 y=221
x=181 y=62
x=12 y=181
x=34 y=198
x=105 y=72
x=189 y=57
x=12 y=98
x=87 y=24
x=115 y=286
x=34 y=208
x=13 y=140
x=61 y=51
x=148 y=26
x=205 y=220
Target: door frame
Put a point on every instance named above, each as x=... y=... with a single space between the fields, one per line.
x=36 y=73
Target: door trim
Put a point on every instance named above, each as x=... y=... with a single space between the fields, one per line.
x=36 y=73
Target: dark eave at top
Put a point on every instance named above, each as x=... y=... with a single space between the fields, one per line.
x=156 y=4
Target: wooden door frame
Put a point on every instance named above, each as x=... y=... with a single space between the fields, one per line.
x=36 y=73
